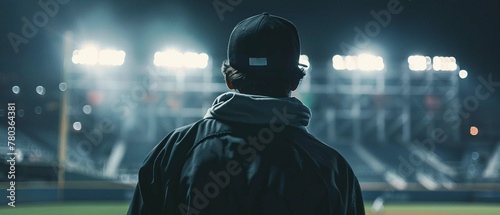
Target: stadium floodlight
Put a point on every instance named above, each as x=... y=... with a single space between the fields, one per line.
x=338 y=62
x=350 y=62
x=190 y=60
x=175 y=59
x=170 y=58
x=368 y=62
x=419 y=63
x=365 y=62
x=195 y=60
x=202 y=61
x=91 y=55
x=440 y=63
x=463 y=74
x=111 y=57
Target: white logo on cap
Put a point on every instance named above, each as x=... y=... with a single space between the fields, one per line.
x=257 y=61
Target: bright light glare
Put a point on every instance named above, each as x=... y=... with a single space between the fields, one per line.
x=474 y=130
x=190 y=60
x=170 y=58
x=63 y=86
x=350 y=63
x=77 y=126
x=176 y=59
x=88 y=55
x=87 y=109
x=419 y=63
x=463 y=74
x=444 y=63
x=338 y=62
x=91 y=55
x=365 y=62
x=369 y=62
x=40 y=90
x=304 y=60
x=379 y=63
x=202 y=60
x=111 y=57
x=16 y=89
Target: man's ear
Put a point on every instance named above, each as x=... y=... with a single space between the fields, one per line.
x=228 y=83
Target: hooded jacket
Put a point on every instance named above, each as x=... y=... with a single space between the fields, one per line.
x=249 y=155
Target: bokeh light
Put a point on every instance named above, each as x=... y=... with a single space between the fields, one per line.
x=16 y=89
x=63 y=86
x=87 y=109
x=463 y=74
x=77 y=126
x=474 y=130
x=40 y=90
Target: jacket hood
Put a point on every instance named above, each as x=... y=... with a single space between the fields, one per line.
x=256 y=109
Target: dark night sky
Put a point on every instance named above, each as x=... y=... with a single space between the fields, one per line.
x=468 y=30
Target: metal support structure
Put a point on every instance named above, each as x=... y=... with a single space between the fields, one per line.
x=361 y=107
x=63 y=124
x=384 y=106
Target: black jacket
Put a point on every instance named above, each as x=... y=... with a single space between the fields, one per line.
x=218 y=166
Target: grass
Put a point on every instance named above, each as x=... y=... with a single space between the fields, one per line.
x=120 y=208
x=439 y=208
x=66 y=209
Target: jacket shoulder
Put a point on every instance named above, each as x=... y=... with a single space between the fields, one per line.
x=200 y=130
x=320 y=151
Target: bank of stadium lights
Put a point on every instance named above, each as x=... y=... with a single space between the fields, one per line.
x=419 y=63
x=438 y=63
x=444 y=63
x=365 y=62
x=91 y=55
x=176 y=59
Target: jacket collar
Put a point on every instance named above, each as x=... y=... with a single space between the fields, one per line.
x=256 y=109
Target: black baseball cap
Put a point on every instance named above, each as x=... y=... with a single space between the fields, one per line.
x=264 y=44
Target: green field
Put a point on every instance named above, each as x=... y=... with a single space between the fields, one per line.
x=438 y=209
x=121 y=208
x=67 y=209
